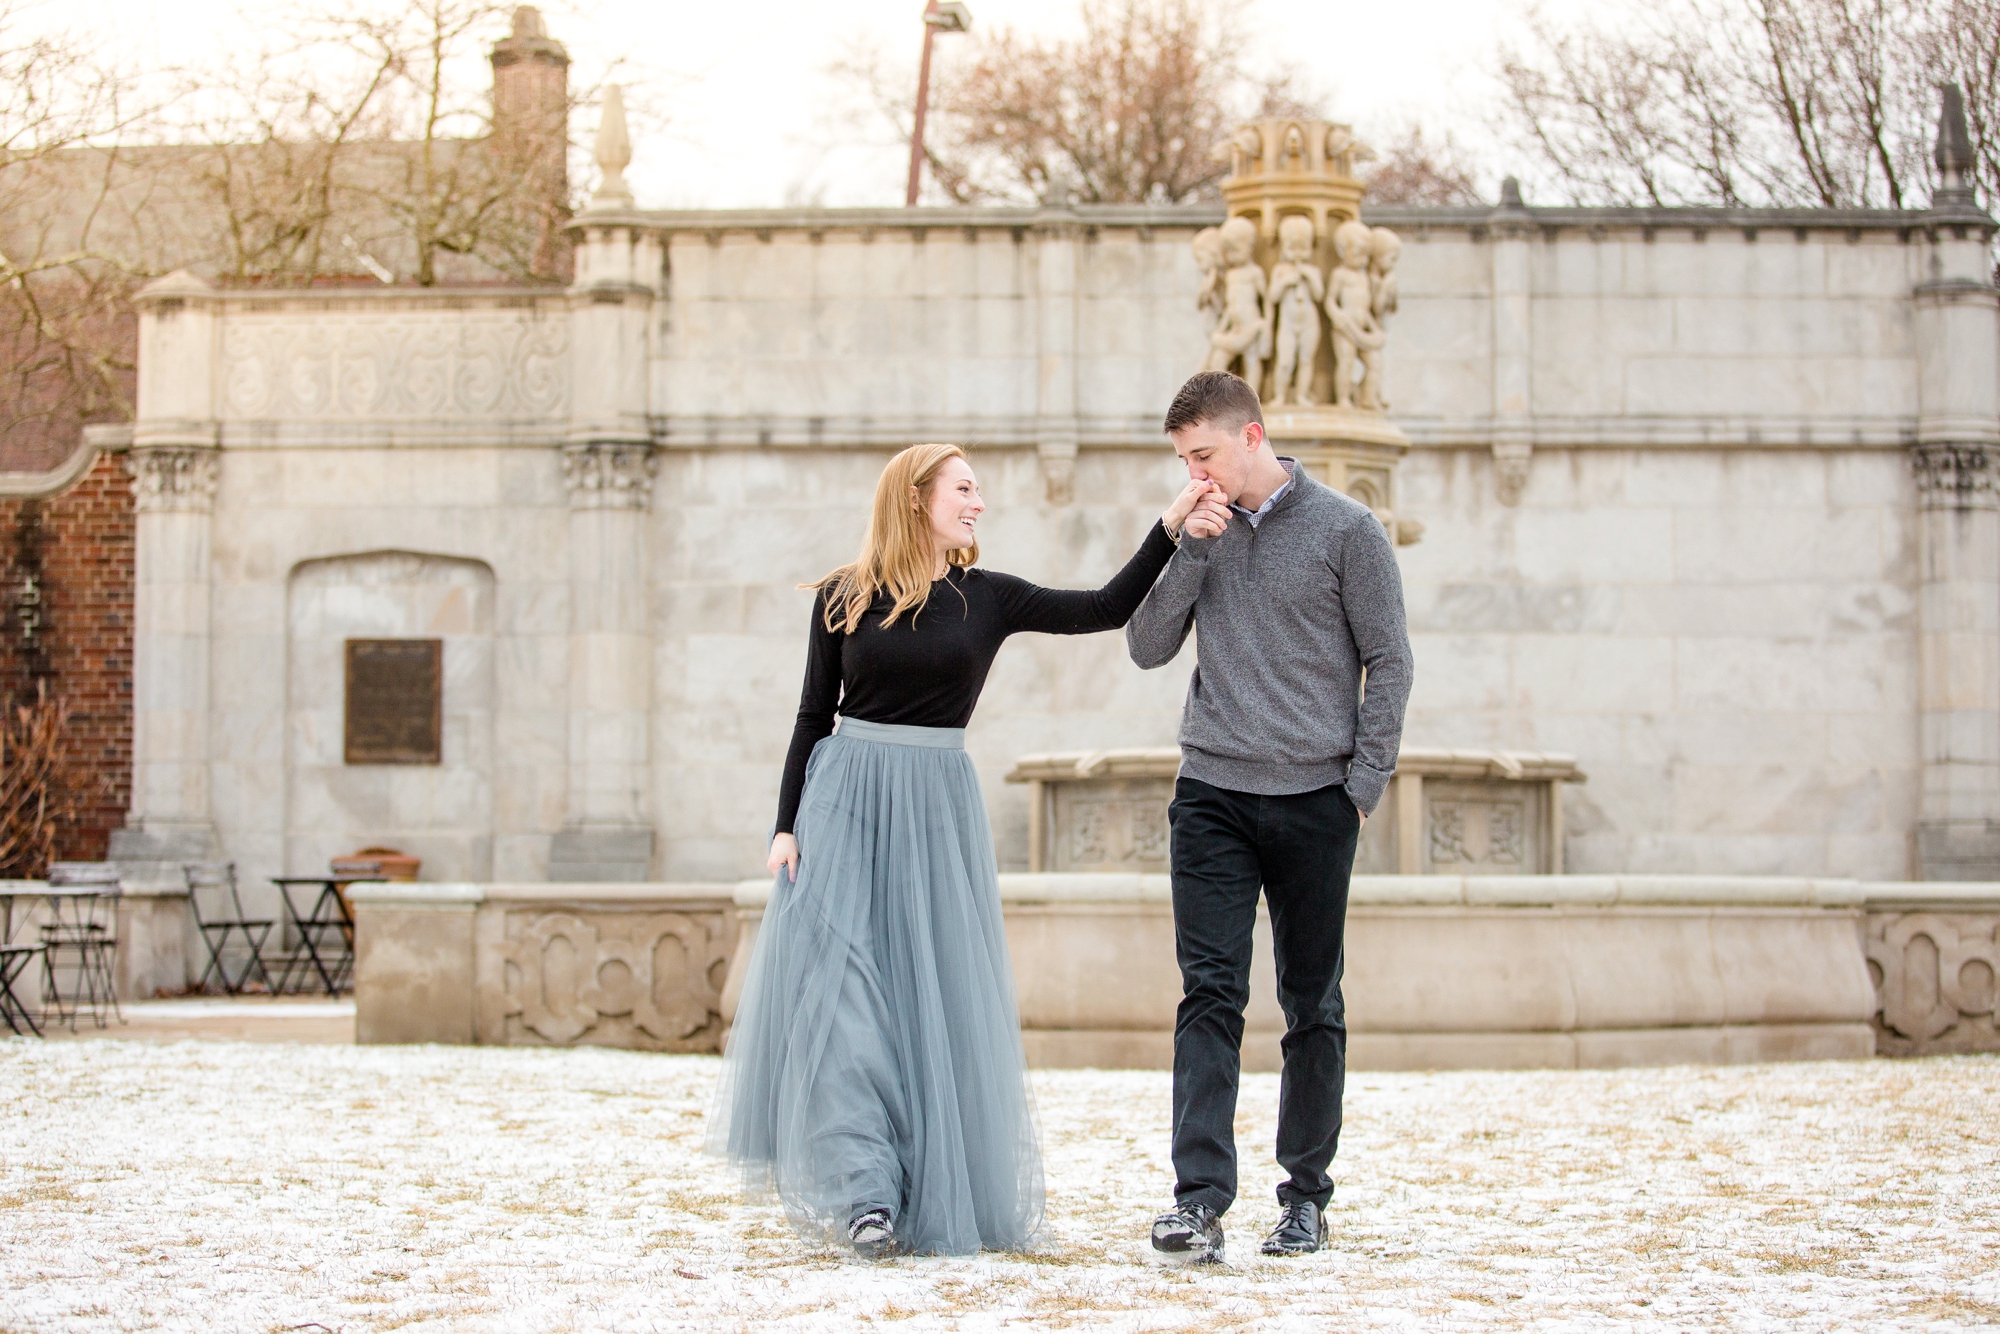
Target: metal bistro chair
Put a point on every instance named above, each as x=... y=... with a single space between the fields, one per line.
x=218 y=915
x=14 y=961
x=82 y=939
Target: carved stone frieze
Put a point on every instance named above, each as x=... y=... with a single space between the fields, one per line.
x=1934 y=975
x=171 y=479
x=1965 y=476
x=457 y=363
x=610 y=476
x=647 y=980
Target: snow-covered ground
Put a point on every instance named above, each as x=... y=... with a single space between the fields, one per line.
x=229 y=1186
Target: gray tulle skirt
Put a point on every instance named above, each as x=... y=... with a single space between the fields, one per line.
x=876 y=1056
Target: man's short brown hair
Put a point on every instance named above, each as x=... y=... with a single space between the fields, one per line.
x=1218 y=398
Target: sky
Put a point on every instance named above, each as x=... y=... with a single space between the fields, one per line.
x=739 y=110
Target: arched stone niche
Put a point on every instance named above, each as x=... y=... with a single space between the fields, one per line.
x=441 y=812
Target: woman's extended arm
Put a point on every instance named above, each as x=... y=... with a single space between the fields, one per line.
x=818 y=700
x=1066 y=611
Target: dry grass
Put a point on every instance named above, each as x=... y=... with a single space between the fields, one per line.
x=221 y=1186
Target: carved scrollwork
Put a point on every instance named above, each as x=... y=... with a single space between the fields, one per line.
x=610 y=476
x=170 y=479
x=395 y=364
x=1934 y=976
x=566 y=974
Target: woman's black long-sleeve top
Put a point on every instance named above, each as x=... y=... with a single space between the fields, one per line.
x=927 y=670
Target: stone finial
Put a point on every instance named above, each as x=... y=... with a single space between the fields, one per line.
x=613 y=153
x=1510 y=194
x=528 y=22
x=1954 y=143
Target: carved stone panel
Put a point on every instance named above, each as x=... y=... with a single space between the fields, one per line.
x=594 y=975
x=1484 y=827
x=1934 y=976
x=495 y=363
x=1112 y=825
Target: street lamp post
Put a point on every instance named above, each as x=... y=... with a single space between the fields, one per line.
x=939 y=16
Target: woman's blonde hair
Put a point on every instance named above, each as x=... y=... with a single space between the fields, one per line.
x=898 y=554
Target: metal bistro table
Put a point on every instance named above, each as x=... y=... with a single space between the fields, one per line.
x=81 y=922
x=325 y=932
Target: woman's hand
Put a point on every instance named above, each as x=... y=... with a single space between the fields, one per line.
x=1210 y=516
x=1184 y=504
x=785 y=853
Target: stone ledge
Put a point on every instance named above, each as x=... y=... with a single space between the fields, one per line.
x=1450 y=891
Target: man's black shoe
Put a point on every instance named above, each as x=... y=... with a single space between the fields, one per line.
x=1301 y=1230
x=1189 y=1229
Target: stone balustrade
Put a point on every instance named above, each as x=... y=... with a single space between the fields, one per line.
x=638 y=966
x=1443 y=971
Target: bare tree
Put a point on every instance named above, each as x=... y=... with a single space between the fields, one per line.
x=364 y=147
x=1417 y=168
x=1130 y=111
x=1824 y=103
x=1125 y=113
x=66 y=355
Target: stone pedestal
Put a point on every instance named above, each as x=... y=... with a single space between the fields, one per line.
x=1353 y=451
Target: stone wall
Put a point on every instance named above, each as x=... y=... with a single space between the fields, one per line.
x=1663 y=459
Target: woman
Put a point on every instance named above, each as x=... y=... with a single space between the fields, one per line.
x=874 y=1074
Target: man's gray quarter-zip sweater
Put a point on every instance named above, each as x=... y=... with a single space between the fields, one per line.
x=1291 y=612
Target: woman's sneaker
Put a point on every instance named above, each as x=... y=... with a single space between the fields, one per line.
x=1301 y=1230
x=872 y=1233
x=1190 y=1229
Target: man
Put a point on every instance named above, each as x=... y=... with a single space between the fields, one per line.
x=1296 y=591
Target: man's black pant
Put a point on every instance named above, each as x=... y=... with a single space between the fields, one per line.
x=1300 y=851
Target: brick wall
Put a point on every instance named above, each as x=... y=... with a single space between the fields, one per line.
x=78 y=547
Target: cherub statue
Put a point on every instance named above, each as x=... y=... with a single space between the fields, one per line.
x=1384 y=248
x=1350 y=308
x=1207 y=247
x=1245 y=328
x=1297 y=288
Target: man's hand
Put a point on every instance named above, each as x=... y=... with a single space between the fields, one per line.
x=785 y=853
x=1210 y=515
x=1184 y=503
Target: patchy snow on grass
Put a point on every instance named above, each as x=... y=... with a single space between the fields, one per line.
x=231 y=1186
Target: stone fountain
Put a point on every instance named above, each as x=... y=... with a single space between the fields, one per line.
x=1297 y=291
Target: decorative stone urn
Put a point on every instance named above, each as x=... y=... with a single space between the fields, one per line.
x=1447 y=812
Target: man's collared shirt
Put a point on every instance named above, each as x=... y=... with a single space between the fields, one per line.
x=1257 y=516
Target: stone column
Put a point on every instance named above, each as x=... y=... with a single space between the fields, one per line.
x=1056 y=426
x=609 y=465
x=174 y=466
x=1957 y=462
x=1513 y=344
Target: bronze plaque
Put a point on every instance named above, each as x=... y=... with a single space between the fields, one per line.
x=395 y=701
